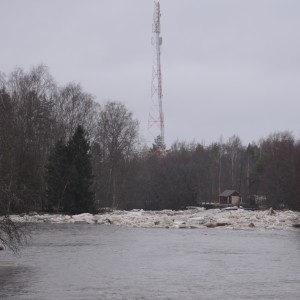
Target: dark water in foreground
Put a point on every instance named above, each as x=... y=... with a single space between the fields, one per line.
x=80 y=261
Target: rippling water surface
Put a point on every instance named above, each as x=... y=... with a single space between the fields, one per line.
x=81 y=261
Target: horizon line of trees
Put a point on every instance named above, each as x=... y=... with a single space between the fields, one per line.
x=61 y=151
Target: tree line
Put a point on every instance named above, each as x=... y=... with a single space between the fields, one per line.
x=61 y=151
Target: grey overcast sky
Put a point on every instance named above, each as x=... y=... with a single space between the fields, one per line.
x=228 y=66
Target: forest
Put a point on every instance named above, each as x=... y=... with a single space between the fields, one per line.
x=62 y=151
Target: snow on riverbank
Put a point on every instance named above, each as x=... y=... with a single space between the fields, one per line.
x=191 y=218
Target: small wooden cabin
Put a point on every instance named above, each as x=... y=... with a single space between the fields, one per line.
x=230 y=197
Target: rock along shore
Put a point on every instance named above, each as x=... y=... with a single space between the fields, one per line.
x=191 y=218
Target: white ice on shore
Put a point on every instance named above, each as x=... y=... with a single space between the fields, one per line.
x=191 y=218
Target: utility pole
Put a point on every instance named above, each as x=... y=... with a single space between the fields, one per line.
x=156 y=116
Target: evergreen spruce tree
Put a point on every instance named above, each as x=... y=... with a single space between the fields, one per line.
x=69 y=176
x=79 y=198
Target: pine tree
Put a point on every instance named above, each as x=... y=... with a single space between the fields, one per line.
x=69 y=176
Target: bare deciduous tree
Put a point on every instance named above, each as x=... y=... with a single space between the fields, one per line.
x=73 y=107
x=12 y=235
x=116 y=140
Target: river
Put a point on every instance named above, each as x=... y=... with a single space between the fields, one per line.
x=82 y=261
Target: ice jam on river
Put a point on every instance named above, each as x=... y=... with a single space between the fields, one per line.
x=195 y=217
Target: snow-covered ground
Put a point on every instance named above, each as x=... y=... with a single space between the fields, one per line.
x=191 y=218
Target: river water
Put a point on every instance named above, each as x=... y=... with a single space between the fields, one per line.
x=81 y=261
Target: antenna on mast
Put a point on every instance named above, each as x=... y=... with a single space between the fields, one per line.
x=156 y=116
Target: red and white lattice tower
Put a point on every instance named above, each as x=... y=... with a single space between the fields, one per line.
x=156 y=116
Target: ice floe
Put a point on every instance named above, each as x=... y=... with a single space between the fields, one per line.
x=191 y=218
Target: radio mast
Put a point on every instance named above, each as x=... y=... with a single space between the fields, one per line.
x=156 y=116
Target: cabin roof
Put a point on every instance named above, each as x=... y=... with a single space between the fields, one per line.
x=228 y=193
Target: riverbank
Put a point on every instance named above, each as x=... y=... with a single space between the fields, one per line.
x=191 y=218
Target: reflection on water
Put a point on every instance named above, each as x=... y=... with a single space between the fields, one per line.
x=81 y=261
